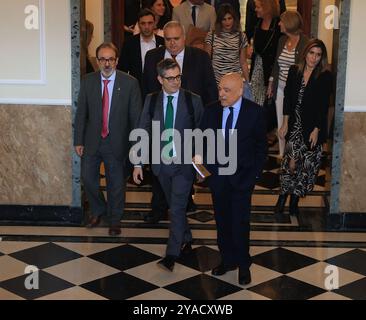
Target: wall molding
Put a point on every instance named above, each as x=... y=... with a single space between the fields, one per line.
x=42 y=50
x=41 y=102
x=355 y=109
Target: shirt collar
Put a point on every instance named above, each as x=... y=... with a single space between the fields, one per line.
x=236 y=106
x=111 y=78
x=153 y=39
x=175 y=94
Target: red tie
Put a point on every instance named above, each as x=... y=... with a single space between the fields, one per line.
x=105 y=104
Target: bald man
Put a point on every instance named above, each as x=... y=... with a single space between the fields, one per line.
x=231 y=193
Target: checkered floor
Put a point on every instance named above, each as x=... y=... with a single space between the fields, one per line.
x=119 y=271
x=292 y=258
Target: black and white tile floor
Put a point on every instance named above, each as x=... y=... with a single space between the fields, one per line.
x=291 y=258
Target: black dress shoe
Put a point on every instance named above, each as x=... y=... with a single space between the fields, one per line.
x=93 y=222
x=244 y=276
x=155 y=217
x=221 y=269
x=167 y=263
x=186 y=248
x=114 y=230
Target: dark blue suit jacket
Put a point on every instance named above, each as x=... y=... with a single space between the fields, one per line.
x=251 y=143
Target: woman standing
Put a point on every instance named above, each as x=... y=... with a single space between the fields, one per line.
x=226 y=45
x=290 y=45
x=307 y=92
x=265 y=40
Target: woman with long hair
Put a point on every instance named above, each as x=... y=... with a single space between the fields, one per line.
x=307 y=94
x=227 y=44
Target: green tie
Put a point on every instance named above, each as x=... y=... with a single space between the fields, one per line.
x=169 y=116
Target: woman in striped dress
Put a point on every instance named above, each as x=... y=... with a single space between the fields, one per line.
x=227 y=44
x=290 y=45
x=307 y=93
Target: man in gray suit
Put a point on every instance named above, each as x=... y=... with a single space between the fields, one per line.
x=196 y=13
x=178 y=109
x=108 y=109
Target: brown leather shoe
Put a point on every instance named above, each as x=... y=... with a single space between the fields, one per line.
x=114 y=230
x=93 y=222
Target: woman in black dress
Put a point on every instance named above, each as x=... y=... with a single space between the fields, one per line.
x=307 y=92
x=266 y=35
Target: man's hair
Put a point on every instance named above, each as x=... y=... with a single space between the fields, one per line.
x=109 y=45
x=145 y=12
x=166 y=64
x=174 y=24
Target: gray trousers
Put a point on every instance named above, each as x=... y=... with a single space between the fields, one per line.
x=177 y=188
x=90 y=172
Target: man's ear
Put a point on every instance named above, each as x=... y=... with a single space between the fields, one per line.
x=160 y=79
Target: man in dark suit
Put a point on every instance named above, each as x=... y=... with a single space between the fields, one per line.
x=175 y=114
x=133 y=53
x=109 y=106
x=197 y=72
x=231 y=193
x=197 y=76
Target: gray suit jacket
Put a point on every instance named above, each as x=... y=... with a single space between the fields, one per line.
x=183 y=120
x=205 y=20
x=126 y=107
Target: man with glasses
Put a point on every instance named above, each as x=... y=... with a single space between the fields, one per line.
x=176 y=109
x=197 y=76
x=101 y=134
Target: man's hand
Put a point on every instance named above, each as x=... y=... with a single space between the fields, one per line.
x=138 y=175
x=197 y=159
x=79 y=150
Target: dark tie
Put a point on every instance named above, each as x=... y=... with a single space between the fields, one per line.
x=105 y=108
x=194 y=15
x=168 y=124
x=228 y=127
x=174 y=56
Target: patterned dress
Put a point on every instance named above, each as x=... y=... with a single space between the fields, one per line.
x=226 y=51
x=302 y=180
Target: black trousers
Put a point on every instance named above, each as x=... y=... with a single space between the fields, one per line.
x=232 y=215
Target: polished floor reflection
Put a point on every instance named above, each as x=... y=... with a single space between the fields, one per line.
x=292 y=258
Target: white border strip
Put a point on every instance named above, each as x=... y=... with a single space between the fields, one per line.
x=42 y=50
x=61 y=102
x=355 y=109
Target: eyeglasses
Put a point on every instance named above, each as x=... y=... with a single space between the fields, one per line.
x=172 y=79
x=109 y=60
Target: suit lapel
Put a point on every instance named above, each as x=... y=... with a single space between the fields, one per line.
x=186 y=67
x=240 y=115
x=178 y=125
x=160 y=110
x=116 y=95
x=97 y=94
x=138 y=50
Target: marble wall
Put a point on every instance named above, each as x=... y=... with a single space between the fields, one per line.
x=352 y=186
x=35 y=149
